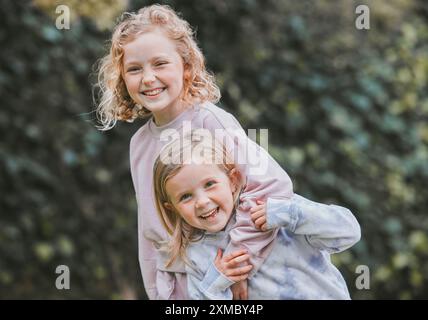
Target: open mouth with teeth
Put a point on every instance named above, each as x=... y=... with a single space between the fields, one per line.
x=153 y=93
x=210 y=214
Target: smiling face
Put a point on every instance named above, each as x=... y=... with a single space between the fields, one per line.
x=153 y=73
x=202 y=194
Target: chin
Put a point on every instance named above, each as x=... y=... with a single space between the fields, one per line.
x=218 y=227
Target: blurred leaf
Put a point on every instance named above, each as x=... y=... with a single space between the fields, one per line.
x=44 y=251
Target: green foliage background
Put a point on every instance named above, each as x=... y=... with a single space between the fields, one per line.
x=346 y=110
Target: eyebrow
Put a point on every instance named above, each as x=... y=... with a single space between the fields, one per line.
x=131 y=62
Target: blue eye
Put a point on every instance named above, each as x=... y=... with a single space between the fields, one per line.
x=210 y=183
x=132 y=69
x=185 y=196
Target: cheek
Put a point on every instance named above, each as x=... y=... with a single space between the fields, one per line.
x=190 y=218
x=131 y=84
x=174 y=77
x=184 y=211
x=227 y=199
x=231 y=200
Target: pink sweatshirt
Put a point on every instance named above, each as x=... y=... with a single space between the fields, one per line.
x=264 y=179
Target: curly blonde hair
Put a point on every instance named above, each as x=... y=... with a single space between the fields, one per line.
x=115 y=102
x=171 y=159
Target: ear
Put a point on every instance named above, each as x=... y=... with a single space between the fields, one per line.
x=168 y=206
x=235 y=179
x=186 y=71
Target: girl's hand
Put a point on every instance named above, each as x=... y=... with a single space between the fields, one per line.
x=240 y=290
x=258 y=215
x=230 y=265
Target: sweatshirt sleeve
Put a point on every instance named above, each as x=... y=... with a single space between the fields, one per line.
x=329 y=227
x=159 y=284
x=213 y=286
x=264 y=178
x=148 y=261
x=147 y=253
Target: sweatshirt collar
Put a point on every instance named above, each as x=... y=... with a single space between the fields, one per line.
x=176 y=123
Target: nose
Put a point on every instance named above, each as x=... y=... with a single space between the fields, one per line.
x=202 y=201
x=148 y=77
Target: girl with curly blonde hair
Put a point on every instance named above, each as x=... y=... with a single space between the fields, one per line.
x=155 y=70
x=117 y=103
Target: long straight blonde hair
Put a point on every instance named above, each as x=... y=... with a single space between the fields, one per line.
x=171 y=159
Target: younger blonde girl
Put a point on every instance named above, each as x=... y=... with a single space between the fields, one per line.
x=196 y=197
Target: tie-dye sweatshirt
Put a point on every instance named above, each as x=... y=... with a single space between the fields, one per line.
x=298 y=266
